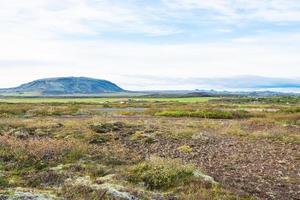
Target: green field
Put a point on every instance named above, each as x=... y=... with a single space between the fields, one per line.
x=101 y=100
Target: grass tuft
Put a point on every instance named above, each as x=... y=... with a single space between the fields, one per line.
x=159 y=173
x=185 y=149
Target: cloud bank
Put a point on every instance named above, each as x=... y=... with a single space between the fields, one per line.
x=176 y=39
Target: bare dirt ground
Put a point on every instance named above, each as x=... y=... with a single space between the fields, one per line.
x=265 y=169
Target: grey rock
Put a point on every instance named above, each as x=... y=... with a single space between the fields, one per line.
x=22 y=134
x=28 y=196
x=205 y=177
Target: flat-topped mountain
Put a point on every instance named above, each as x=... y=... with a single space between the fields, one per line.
x=65 y=86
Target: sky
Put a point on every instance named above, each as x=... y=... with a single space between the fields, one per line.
x=149 y=44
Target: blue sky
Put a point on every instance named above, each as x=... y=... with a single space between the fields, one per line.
x=137 y=43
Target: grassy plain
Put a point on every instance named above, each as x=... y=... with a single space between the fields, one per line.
x=168 y=148
x=98 y=100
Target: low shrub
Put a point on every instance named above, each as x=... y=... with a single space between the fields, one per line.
x=12 y=109
x=210 y=124
x=149 y=140
x=136 y=136
x=291 y=110
x=52 y=110
x=45 y=179
x=288 y=118
x=235 y=130
x=241 y=114
x=185 y=149
x=40 y=152
x=279 y=136
x=198 y=189
x=80 y=192
x=3 y=182
x=100 y=139
x=209 y=114
x=182 y=133
x=107 y=127
x=142 y=137
x=158 y=173
x=260 y=122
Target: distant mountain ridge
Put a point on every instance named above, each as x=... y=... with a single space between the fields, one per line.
x=66 y=86
x=234 y=86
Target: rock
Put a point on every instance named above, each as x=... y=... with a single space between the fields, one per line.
x=200 y=136
x=3 y=197
x=22 y=134
x=19 y=195
x=205 y=177
x=29 y=196
x=59 y=167
x=57 y=125
x=106 y=178
x=112 y=189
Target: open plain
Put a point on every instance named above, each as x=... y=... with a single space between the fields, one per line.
x=184 y=148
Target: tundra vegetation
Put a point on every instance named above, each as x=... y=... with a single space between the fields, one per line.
x=197 y=148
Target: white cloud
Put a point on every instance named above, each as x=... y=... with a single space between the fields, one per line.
x=115 y=61
x=57 y=17
x=37 y=41
x=240 y=10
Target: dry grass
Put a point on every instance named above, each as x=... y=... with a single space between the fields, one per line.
x=46 y=150
x=197 y=189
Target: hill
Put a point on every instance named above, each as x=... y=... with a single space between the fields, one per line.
x=65 y=86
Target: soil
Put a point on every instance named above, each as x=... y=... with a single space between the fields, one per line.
x=263 y=168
